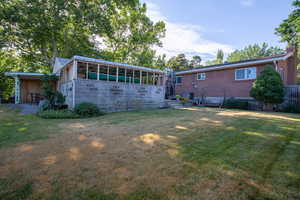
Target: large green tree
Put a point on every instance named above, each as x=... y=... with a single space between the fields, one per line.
x=42 y=29
x=179 y=62
x=133 y=35
x=219 y=58
x=254 y=51
x=289 y=29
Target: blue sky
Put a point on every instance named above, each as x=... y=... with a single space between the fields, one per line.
x=201 y=27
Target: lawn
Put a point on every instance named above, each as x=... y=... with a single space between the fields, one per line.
x=195 y=153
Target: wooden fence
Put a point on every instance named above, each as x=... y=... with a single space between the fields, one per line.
x=292 y=94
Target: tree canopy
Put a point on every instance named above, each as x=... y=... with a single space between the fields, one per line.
x=42 y=29
x=254 y=51
x=289 y=29
x=181 y=62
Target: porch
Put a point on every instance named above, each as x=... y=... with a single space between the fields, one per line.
x=28 y=87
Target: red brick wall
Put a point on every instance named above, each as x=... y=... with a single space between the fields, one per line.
x=217 y=84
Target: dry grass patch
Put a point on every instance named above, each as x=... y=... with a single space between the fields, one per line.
x=197 y=153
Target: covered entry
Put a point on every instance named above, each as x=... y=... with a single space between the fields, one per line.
x=28 y=87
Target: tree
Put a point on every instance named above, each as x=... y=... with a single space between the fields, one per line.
x=132 y=36
x=220 y=56
x=42 y=29
x=268 y=87
x=254 y=51
x=219 y=59
x=195 y=62
x=289 y=29
x=160 y=62
x=179 y=62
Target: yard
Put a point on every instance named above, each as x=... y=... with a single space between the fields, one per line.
x=195 y=153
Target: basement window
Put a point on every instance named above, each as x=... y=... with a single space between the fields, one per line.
x=245 y=73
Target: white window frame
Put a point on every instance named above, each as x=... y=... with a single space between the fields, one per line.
x=253 y=77
x=202 y=76
x=176 y=80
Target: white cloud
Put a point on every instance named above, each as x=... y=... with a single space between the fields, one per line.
x=247 y=3
x=186 y=38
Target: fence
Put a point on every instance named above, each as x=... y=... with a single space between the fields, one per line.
x=292 y=95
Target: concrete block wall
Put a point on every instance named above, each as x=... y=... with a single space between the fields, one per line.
x=67 y=90
x=115 y=97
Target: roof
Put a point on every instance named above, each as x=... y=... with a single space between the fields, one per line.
x=101 y=61
x=25 y=75
x=59 y=63
x=237 y=64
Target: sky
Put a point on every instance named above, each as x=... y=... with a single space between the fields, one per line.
x=201 y=27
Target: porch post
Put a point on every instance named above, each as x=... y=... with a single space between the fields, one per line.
x=117 y=78
x=17 y=90
x=75 y=69
x=147 y=79
x=141 y=77
x=125 y=74
x=98 y=71
x=87 y=71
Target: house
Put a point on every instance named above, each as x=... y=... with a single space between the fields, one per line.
x=111 y=86
x=216 y=82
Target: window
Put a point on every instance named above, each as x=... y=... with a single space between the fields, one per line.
x=245 y=73
x=178 y=79
x=201 y=76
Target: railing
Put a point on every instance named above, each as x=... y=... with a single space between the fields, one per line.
x=292 y=94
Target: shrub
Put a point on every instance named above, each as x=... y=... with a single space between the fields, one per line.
x=268 y=88
x=58 y=114
x=86 y=109
x=291 y=108
x=183 y=100
x=236 y=104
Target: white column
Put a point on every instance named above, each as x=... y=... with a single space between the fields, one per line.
x=17 y=90
x=87 y=70
x=117 y=78
x=141 y=77
x=147 y=79
x=133 y=76
x=153 y=78
x=98 y=71
x=74 y=69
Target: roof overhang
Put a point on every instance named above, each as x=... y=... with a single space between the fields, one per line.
x=100 y=61
x=234 y=65
x=25 y=75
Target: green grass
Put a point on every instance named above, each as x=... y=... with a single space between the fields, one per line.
x=16 y=128
x=225 y=154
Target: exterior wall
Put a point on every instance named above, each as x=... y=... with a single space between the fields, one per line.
x=67 y=90
x=218 y=83
x=28 y=87
x=113 y=96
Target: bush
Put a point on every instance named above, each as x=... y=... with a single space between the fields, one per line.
x=268 y=87
x=86 y=109
x=183 y=100
x=236 y=104
x=58 y=114
x=291 y=108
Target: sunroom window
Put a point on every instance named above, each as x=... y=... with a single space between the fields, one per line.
x=245 y=73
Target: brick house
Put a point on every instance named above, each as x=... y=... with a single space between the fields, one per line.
x=233 y=79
